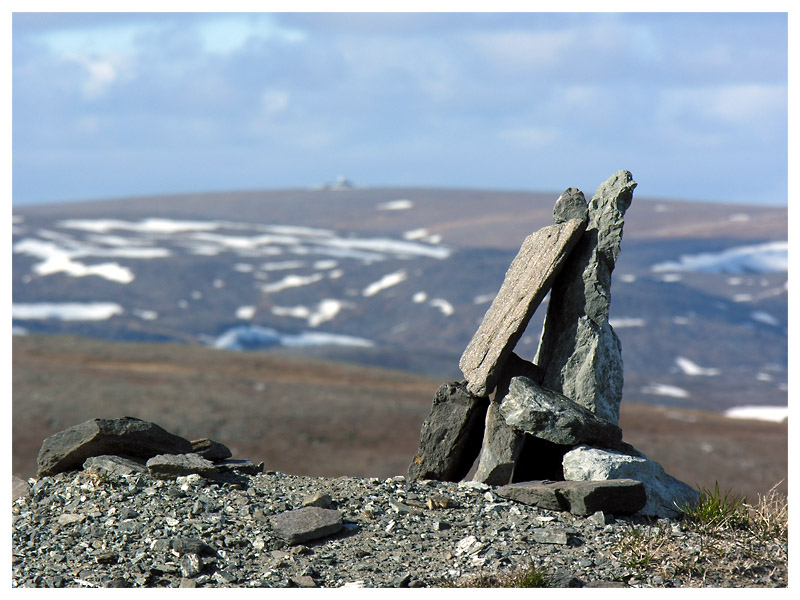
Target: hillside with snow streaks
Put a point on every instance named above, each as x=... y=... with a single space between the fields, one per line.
x=402 y=278
x=771 y=257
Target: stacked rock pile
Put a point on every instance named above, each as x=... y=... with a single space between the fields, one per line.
x=550 y=433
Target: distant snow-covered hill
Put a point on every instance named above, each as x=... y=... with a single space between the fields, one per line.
x=402 y=278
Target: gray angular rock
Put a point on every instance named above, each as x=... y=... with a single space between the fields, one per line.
x=306 y=524
x=127 y=436
x=211 y=450
x=501 y=449
x=170 y=466
x=527 y=281
x=665 y=494
x=579 y=352
x=450 y=437
x=241 y=466
x=114 y=465
x=614 y=496
x=19 y=488
x=553 y=417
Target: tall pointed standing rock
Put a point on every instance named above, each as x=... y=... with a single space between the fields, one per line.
x=579 y=352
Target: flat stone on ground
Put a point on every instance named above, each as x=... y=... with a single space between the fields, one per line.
x=527 y=282
x=614 y=496
x=306 y=524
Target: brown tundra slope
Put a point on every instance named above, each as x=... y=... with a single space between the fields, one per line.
x=324 y=418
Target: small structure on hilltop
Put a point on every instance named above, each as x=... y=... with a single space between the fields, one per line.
x=550 y=434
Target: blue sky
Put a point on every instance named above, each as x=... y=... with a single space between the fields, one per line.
x=116 y=104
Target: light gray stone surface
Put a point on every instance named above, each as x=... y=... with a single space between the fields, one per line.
x=527 y=281
x=554 y=417
x=665 y=494
x=579 y=352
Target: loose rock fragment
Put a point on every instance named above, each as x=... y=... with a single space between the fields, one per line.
x=170 y=466
x=527 y=281
x=615 y=496
x=211 y=450
x=305 y=524
x=114 y=465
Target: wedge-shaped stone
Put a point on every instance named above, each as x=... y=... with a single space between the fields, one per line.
x=615 y=496
x=554 y=417
x=450 y=438
x=527 y=282
x=127 y=436
x=305 y=524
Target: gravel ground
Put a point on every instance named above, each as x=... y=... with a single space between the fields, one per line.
x=78 y=529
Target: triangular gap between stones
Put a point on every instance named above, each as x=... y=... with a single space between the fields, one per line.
x=549 y=425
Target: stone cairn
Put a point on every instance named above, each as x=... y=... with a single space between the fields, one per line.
x=550 y=436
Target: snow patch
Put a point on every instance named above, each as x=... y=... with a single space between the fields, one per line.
x=770 y=257
x=324 y=311
x=777 y=414
x=419 y=297
x=483 y=298
x=661 y=389
x=692 y=369
x=291 y=281
x=384 y=282
x=443 y=305
x=256 y=338
x=245 y=312
x=145 y=315
x=627 y=278
x=623 y=322
x=402 y=204
x=66 y=311
x=761 y=316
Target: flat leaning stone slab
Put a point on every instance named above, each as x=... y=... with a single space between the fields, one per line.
x=613 y=496
x=527 y=282
x=169 y=466
x=306 y=524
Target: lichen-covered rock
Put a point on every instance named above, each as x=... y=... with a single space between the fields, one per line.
x=666 y=496
x=114 y=465
x=127 y=436
x=553 y=417
x=579 y=352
